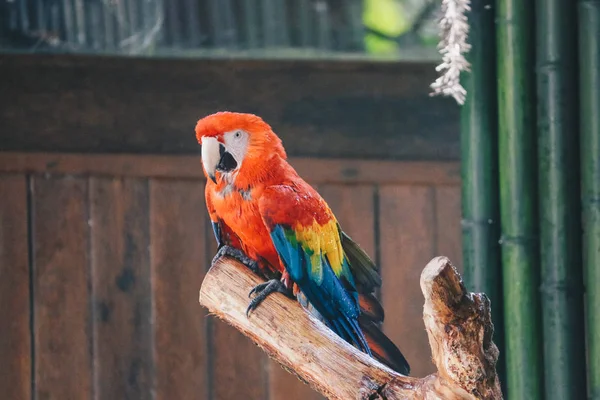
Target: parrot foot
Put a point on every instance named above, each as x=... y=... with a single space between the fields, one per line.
x=263 y=290
x=239 y=255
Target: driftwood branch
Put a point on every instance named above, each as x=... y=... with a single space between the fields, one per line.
x=458 y=324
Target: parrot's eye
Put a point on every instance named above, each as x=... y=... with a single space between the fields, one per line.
x=238 y=135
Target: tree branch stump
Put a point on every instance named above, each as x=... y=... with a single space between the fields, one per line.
x=458 y=325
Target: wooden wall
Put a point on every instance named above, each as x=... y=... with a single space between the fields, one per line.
x=342 y=109
x=102 y=257
x=104 y=238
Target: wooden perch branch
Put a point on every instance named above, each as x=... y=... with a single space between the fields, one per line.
x=458 y=324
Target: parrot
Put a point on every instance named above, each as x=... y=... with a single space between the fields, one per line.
x=267 y=217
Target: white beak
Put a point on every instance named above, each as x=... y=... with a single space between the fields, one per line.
x=210 y=156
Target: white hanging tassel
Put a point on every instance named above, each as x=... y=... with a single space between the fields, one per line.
x=454 y=29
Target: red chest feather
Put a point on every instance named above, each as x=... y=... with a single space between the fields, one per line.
x=240 y=212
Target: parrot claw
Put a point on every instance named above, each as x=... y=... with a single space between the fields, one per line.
x=256 y=289
x=263 y=290
x=239 y=255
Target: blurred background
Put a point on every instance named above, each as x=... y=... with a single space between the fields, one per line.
x=205 y=28
x=104 y=235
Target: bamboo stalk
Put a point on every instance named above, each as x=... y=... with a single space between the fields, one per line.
x=560 y=223
x=269 y=23
x=518 y=204
x=589 y=99
x=192 y=23
x=132 y=21
x=94 y=17
x=24 y=16
x=479 y=150
x=12 y=13
x=282 y=23
x=356 y=28
x=305 y=23
x=108 y=13
x=122 y=30
x=40 y=9
x=80 y=23
x=250 y=15
x=231 y=34
x=68 y=20
x=55 y=20
x=323 y=25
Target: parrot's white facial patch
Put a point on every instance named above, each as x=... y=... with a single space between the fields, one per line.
x=236 y=143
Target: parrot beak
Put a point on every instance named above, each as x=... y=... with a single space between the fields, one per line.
x=211 y=155
x=215 y=157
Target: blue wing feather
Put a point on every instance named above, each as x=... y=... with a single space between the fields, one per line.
x=217 y=231
x=336 y=302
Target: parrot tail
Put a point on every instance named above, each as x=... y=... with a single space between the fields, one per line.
x=382 y=347
x=370 y=307
x=350 y=331
x=365 y=333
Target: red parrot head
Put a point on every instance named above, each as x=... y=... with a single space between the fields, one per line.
x=234 y=143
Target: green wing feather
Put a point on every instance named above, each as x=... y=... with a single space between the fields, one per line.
x=363 y=268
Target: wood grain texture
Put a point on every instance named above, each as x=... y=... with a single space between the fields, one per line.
x=63 y=362
x=448 y=230
x=458 y=324
x=407 y=229
x=239 y=367
x=15 y=340
x=284 y=385
x=125 y=105
x=314 y=170
x=123 y=364
x=177 y=232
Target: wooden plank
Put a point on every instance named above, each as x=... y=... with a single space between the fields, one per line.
x=448 y=225
x=62 y=338
x=107 y=104
x=284 y=385
x=407 y=229
x=15 y=340
x=239 y=368
x=355 y=171
x=178 y=254
x=123 y=364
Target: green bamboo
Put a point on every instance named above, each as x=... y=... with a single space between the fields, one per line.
x=479 y=155
x=559 y=207
x=589 y=99
x=518 y=198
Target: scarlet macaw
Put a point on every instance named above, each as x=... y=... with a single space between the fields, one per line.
x=265 y=215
